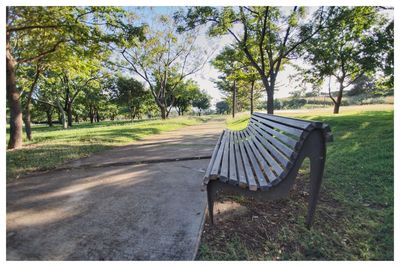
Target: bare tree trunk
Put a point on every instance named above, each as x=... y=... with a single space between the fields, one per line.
x=27 y=122
x=49 y=114
x=163 y=112
x=252 y=98
x=27 y=111
x=234 y=99
x=62 y=115
x=69 y=113
x=13 y=98
x=338 y=99
x=97 y=116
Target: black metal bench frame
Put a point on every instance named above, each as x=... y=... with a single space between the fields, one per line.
x=311 y=143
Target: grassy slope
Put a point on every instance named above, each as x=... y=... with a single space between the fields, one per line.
x=53 y=146
x=355 y=220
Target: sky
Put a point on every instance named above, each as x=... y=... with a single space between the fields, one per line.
x=206 y=75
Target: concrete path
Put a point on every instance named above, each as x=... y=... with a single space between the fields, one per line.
x=111 y=207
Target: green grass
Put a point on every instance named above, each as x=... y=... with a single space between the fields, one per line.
x=53 y=146
x=355 y=220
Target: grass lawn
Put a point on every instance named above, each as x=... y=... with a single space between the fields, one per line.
x=354 y=218
x=53 y=146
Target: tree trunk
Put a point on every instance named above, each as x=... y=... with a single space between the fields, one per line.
x=27 y=113
x=13 y=97
x=27 y=122
x=49 y=114
x=269 y=87
x=97 y=116
x=69 y=114
x=234 y=99
x=91 y=113
x=163 y=112
x=76 y=118
x=252 y=98
x=338 y=99
x=62 y=115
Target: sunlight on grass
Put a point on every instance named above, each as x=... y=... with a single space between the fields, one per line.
x=53 y=146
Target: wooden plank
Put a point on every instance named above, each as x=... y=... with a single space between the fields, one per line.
x=218 y=158
x=284 y=138
x=293 y=122
x=232 y=161
x=261 y=145
x=272 y=165
x=247 y=167
x=253 y=142
x=287 y=129
x=259 y=175
x=274 y=142
x=223 y=176
x=212 y=160
x=239 y=163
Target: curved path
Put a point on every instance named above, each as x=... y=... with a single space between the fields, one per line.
x=112 y=206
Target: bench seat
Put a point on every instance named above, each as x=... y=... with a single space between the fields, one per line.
x=268 y=151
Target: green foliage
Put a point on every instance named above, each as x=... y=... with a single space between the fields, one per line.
x=130 y=93
x=271 y=35
x=351 y=39
x=222 y=107
x=184 y=95
x=163 y=60
x=202 y=101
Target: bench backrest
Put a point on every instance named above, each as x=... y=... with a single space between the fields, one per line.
x=264 y=152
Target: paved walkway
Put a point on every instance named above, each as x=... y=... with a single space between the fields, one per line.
x=112 y=207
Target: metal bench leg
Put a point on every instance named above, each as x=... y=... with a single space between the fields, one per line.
x=316 y=173
x=210 y=200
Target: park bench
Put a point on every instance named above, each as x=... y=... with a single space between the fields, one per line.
x=263 y=160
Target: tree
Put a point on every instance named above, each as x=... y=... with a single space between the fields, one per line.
x=270 y=37
x=222 y=107
x=184 y=95
x=163 y=60
x=202 y=102
x=33 y=33
x=245 y=89
x=130 y=93
x=350 y=39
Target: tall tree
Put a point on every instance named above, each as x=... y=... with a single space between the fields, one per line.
x=163 y=60
x=353 y=49
x=270 y=36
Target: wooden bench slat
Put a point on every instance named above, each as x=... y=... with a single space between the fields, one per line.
x=294 y=122
x=239 y=163
x=213 y=156
x=223 y=176
x=259 y=175
x=232 y=161
x=280 y=146
x=287 y=129
x=284 y=138
x=247 y=167
x=264 y=165
x=218 y=158
x=261 y=146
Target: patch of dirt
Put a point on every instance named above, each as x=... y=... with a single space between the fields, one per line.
x=259 y=224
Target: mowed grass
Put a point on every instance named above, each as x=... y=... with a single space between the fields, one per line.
x=354 y=218
x=51 y=147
